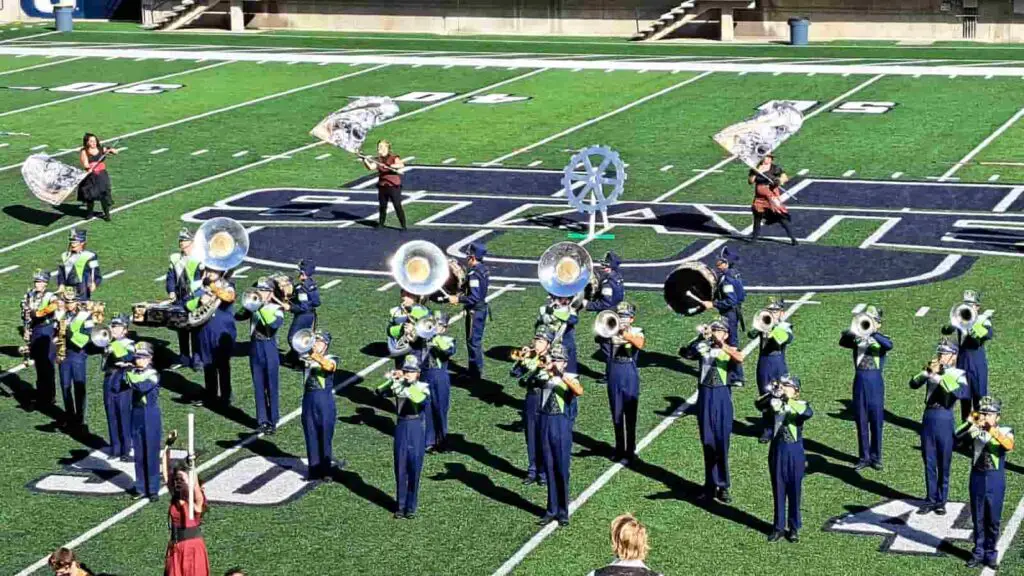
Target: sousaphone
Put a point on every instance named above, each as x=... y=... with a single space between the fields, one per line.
x=420 y=268
x=565 y=269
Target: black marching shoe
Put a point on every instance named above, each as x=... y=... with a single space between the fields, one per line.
x=877 y=466
x=563 y=522
x=775 y=536
x=399 y=515
x=529 y=480
x=994 y=565
x=793 y=536
x=545 y=520
x=974 y=563
x=860 y=465
x=940 y=509
x=723 y=496
x=925 y=508
x=410 y=515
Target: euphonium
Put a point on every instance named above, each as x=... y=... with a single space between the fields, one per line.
x=607 y=324
x=863 y=325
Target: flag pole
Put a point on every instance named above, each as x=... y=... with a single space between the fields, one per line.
x=192 y=469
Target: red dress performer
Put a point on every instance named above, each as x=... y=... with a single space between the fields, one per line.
x=186 y=550
x=768 y=206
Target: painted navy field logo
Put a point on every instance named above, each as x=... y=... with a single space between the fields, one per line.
x=904 y=233
x=252 y=481
x=905 y=532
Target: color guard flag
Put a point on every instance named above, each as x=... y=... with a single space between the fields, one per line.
x=753 y=139
x=49 y=179
x=347 y=128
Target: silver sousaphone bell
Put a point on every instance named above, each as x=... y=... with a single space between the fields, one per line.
x=564 y=269
x=302 y=341
x=220 y=244
x=420 y=267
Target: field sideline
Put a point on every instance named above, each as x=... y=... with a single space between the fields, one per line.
x=909 y=173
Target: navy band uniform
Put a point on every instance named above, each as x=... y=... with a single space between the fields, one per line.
x=623 y=377
x=117 y=397
x=41 y=347
x=728 y=301
x=771 y=359
x=990 y=443
x=529 y=370
x=611 y=291
x=410 y=396
x=474 y=302
x=786 y=457
x=556 y=436
x=319 y=413
x=972 y=358
x=79 y=268
x=868 y=389
x=943 y=385
x=303 y=302
x=146 y=423
x=435 y=373
x=217 y=336
x=74 y=368
x=264 y=359
x=185 y=276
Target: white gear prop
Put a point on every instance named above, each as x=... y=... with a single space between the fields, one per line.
x=584 y=181
x=50 y=180
x=753 y=139
x=347 y=128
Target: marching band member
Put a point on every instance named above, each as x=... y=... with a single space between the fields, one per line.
x=529 y=370
x=73 y=370
x=474 y=302
x=988 y=477
x=714 y=404
x=611 y=289
x=319 y=414
x=438 y=351
x=389 y=181
x=868 y=388
x=623 y=379
x=410 y=396
x=144 y=382
x=771 y=359
x=217 y=336
x=303 y=303
x=786 y=459
x=41 y=309
x=184 y=276
x=264 y=359
x=768 y=206
x=944 y=385
x=402 y=323
x=556 y=435
x=79 y=268
x=186 y=550
x=728 y=301
x=117 y=398
x=96 y=185
x=972 y=358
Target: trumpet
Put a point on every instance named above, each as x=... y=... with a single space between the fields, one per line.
x=528 y=353
x=863 y=325
x=934 y=366
x=302 y=341
x=705 y=332
x=764 y=321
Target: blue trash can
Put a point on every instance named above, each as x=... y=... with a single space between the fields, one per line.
x=798 y=28
x=63 y=15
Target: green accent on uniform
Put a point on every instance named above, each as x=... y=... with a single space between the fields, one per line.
x=45 y=301
x=419 y=312
x=416 y=393
x=119 y=349
x=192 y=304
x=395 y=330
x=979 y=330
x=950 y=381
x=135 y=378
x=562 y=314
x=78 y=338
x=722 y=365
x=268 y=313
x=83 y=259
x=779 y=334
x=191 y=267
x=796 y=407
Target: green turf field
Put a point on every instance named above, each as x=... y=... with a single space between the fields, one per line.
x=225 y=126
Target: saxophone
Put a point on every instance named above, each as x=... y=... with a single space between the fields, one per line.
x=62 y=331
x=28 y=304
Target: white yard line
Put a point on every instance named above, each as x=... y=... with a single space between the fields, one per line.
x=240 y=153
x=113 y=274
x=858 y=308
x=112 y=88
x=812 y=114
x=7 y=269
x=984 y=144
x=27 y=37
x=1006 y=538
x=331 y=284
x=214 y=461
x=158 y=151
x=604 y=116
x=226 y=108
x=535 y=163
x=386 y=287
x=1009 y=199
x=849 y=173
x=323 y=156
x=261 y=162
x=610 y=473
x=921 y=311
x=43 y=65
x=200 y=152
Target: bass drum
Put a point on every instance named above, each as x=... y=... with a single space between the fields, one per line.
x=687 y=286
x=159 y=314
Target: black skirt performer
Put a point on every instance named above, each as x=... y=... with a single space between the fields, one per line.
x=389 y=181
x=768 y=206
x=96 y=185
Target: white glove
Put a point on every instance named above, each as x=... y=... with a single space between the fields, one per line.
x=777 y=404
